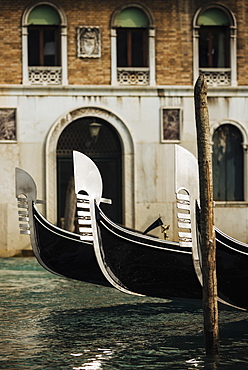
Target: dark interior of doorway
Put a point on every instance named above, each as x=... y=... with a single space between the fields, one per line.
x=104 y=149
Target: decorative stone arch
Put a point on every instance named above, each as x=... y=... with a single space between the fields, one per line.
x=28 y=10
x=135 y=5
x=244 y=134
x=63 y=26
x=128 y=159
x=241 y=128
x=151 y=36
x=233 y=41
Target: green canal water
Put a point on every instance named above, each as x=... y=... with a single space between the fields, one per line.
x=51 y=323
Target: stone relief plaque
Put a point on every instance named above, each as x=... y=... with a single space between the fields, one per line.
x=170 y=124
x=89 y=42
x=7 y=124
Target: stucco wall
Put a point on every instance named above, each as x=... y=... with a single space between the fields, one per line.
x=149 y=181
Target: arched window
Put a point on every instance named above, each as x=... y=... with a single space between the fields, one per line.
x=44 y=47
x=132 y=38
x=43 y=37
x=132 y=46
x=228 y=164
x=215 y=45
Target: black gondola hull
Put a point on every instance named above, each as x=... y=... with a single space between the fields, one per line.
x=127 y=260
x=64 y=253
x=147 y=265
x=232 y=270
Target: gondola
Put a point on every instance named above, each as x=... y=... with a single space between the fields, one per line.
x=161 y=268
x=108 y=254
x=57 y=250
x=139 y=264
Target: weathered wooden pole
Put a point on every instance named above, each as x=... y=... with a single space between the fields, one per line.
x=208 y=246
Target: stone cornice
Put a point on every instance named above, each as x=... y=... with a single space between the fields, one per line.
x=108 y=90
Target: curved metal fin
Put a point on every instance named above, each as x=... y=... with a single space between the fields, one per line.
x=25 y=185
x=87 y=176
x=26 y=193
x=187 y=180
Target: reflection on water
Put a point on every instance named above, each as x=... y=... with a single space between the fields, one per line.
x=48 y=322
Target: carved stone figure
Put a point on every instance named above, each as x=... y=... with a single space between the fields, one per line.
x=89 y=42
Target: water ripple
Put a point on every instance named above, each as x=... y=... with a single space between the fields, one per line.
x=48 y=322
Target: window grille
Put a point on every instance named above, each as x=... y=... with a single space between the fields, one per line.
x=77 y=136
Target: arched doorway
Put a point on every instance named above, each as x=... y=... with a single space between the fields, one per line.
x=99 y=140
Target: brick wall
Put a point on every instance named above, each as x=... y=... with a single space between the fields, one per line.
x=10 y=42
x=173 y=25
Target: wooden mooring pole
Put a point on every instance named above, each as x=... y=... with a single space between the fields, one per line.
x=208 y=246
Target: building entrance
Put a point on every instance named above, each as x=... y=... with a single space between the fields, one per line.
x=98 y=139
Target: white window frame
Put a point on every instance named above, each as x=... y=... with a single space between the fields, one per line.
x=233 y=44
x=244 y=134
x=63 y=35
x=151 y=46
